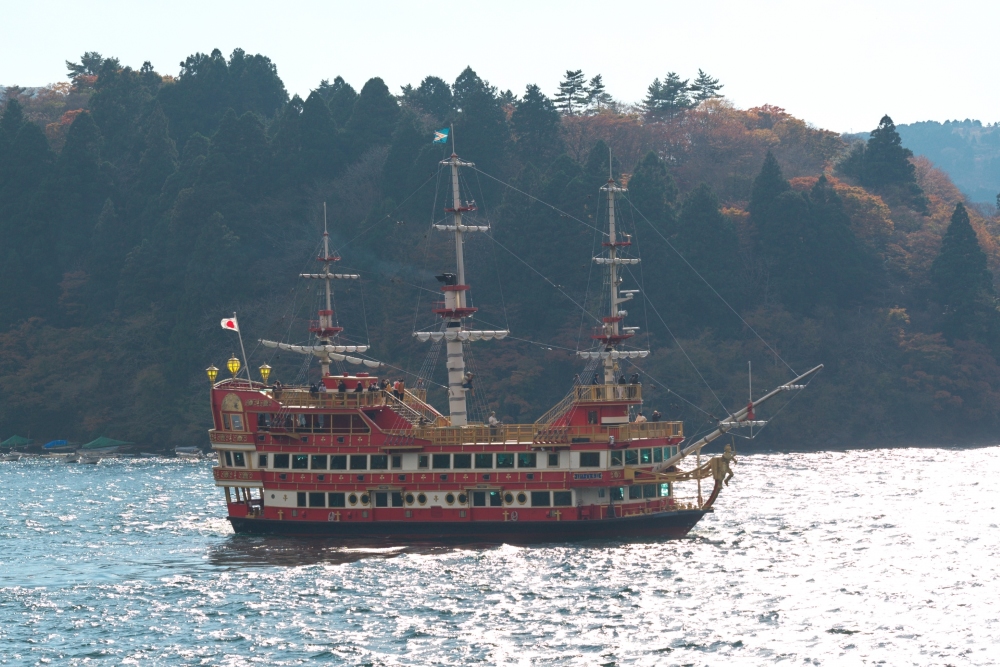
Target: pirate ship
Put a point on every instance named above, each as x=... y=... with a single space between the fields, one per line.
x=355 y=457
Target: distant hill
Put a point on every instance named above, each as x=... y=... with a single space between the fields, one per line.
x=967 y=150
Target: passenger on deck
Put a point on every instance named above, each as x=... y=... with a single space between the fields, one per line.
x=597 y=379
x=656 y=416
x=634 y=379
x=359 y=387
x=342 y=386
x=322 y=388
x=467 y=383
x=397 y=389
x=640 y=418
x=493 y=421
x=373 y=386
x=313 y=390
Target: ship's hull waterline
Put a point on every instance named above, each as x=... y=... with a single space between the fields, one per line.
x=668 y=525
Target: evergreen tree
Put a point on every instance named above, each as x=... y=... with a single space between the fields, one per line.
x=653 y=192
x=572 y=95
x=322 y=153
x=89 y=65
x=884 y=163
x=668 y=98
x=159 y=159
x=373 y=119
x=433 y=97
x=767 y=186
x=341 y=98
x=963 y=284
x=535 y=124
x=481 y=130
x=597 y=97
x=705 y=87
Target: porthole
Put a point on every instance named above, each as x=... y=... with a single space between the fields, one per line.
x=272 y=496
x=450 y=498
x=522 y=498
x=462 y=498
x=409 y=498
x=508 y=498
x=364 y=498
x=353 y=499
x=421 y=499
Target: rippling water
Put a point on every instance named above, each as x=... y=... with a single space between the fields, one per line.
x=861 y=557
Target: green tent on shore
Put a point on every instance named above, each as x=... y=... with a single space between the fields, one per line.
x=104 y=443
x=15 y=441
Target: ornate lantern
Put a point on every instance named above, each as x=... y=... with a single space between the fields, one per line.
x=265 y=372
x=233 y=365
x=212 y=372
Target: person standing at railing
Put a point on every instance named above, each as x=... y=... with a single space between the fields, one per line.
x=656 y=416
x=640 y=418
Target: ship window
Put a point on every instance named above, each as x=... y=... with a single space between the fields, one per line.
x=553 y=460
x=645 y=456
x=505 y=460
x=225 y=422
x=337 y=500
x=495 y=500
x=649 y=490
x=657 y=455
x=409 y=498
x=380 y=462
x=239 y=459
x=508 y=498
x=281 y=460
x=484 y=460
x=441 y=461
x=300 y=461
x=262 y=460
x=317 y=499
x=527 y=460
x=319 y=462
x=590 y=459
x=381 y=499
x=635 y=492
x=616 y=458
x=397 y=462
x=617 y=493
x=562 y=498
x=463 y=461
x=479 y=499
x=397 y=498
x=338 y=462
x=601 y=492
x=631 y=457
x=540 y=499
x=450 y=498
x=421 y=460
x=359 y=462
x=353 y=499
x=522 y=497
x=665 y=490
x=237 y=422
x=421 y=498
x=229 y=459
x=300 y=499
x=591 y=416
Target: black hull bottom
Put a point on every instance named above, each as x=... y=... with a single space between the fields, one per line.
x=671 y=525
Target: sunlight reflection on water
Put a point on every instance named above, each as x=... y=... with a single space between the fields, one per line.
x=859 y=557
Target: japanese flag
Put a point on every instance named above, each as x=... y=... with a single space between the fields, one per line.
x=230 y=324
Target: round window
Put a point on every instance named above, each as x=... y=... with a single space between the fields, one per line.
x=522 y=498
x=450 y=498
x=421 y=499
x=508 y=498
x=364 y=498
x=462 y=498
x=409 y=498
x=353 y=499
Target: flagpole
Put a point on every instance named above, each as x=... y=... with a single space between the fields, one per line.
x=243 y=350
x=452 y=126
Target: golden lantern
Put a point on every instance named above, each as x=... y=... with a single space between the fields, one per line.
x=212 y=372
x=265 y=372
x=233 y=365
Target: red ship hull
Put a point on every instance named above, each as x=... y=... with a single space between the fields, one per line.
x=670 y=525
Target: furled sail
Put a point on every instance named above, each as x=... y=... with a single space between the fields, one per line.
x=424 y=336
x=334 y=352
x=330 y=276
x=616 y=260
x=615 y=354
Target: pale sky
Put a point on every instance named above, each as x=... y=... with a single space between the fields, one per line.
x=838 y=65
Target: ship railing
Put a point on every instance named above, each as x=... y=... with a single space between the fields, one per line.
x=607 y=393
x=543 y=435
x=303 y=398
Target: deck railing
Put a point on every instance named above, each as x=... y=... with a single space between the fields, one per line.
x=607 y=393
x=542 y=434
x=303 y=398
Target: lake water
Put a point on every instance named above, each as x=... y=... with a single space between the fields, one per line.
x=844 y=558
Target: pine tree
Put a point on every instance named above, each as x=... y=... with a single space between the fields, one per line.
x=572 y=95
x=373 y=119
x=705 y=87
x=481 y=129
x=597 y=97
x=963 y=284
x=767 y=186
x=90 y=65
x=535 y=123
x=340 y=97
x=433 y=97
x=668 y=98
x=884 y=163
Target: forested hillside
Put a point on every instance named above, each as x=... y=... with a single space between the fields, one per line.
x=138 y=208
x=968 y=150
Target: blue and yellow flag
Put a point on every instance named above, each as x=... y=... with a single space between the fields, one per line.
x=441 y=136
